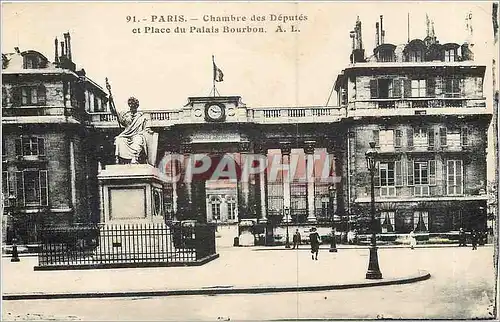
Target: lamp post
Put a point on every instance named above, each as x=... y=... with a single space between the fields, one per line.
x=287 y=241
x=331 y=197
x=373 y=267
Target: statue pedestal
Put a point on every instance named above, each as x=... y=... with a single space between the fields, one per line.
x=131 y=193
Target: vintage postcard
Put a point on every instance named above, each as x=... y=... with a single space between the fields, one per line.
x=216 y=161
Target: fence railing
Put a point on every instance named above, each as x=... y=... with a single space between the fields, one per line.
x=111 y=244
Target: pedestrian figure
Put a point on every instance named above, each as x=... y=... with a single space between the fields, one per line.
x=413 y=240
x=296 y=239
x=474 y=239
x=461 y=238
x=315 y=241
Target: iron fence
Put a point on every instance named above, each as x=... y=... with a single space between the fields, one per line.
x=113 y=244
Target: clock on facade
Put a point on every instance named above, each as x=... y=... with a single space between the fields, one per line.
x=214 y=112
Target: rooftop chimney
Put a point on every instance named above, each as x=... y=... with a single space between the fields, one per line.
x=56 y=53
x=377 y=35
x=62 y=49
x=67 y=40
x=382 y=32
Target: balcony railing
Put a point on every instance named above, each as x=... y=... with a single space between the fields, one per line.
x=260 y=115
x=24 y=111
x=421 y=103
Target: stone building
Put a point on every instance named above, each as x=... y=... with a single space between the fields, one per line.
x=422 y=103
x=48 y=168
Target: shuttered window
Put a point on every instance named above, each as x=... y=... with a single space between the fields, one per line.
x=409 y=137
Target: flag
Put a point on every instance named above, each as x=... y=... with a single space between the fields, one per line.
x=218 y=74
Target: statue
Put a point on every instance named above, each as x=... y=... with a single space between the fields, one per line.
x=137 y=142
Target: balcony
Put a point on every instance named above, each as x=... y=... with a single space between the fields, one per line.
x=417 y=106
x=43 y=114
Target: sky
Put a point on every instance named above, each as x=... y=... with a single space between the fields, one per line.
x=265 y=69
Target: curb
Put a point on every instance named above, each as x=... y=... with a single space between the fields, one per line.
x=306 y=247
x=218 y=290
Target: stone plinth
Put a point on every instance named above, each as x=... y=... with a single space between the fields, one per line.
x=131 y=193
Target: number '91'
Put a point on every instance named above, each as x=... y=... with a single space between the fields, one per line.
x=131 y=19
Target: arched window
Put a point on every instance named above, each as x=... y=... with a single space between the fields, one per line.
x=415 y=51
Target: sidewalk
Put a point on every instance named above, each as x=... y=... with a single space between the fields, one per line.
x=237 y=270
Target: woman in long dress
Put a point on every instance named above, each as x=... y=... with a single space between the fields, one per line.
x=413 y=240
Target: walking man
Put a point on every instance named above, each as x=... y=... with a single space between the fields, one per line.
x=315 y=241
x=296 y=239
x=474 y=238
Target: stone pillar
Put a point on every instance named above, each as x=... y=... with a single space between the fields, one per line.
x=285 y=161
x=185 y=190
x=243 y=183
x=310 y=175
x=261 y=184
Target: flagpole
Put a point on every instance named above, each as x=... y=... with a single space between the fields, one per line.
x=213 y=74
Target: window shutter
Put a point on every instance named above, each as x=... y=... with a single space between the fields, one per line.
x=19 y=147
x=397 y=138
x=431 y=87
x=41 y=146
x=5 y=188
x=442 y=136
x=42 y=96
x=409 y=172
x=407 y=87
x=465 y=136
x=396 y=87
x=376 y=178
x=373 y=88
x=398 y=173
x=16 y=96
x=24 y=96
x=448 y=86
x=376 y=137
x=460 y=83
x=20 y=188
x=409 y=137
x=430 y=137
x=44 y=191
x=432 y=172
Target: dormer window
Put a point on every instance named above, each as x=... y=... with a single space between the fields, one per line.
x=415 y=56
x=450 y=55
x=33 y=60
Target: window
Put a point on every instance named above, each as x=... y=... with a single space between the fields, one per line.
x=385 y=88
x=418 y=88
x=453 y=138
x=420 y=138
x=30 y=95
x=231 y=208
x=387 y=221
x=389 y=176
x=31 y=62
x=215 y=207
x=454 y=177
x=32 y=189
x=386 y=140
x=449 y=55
x=415 y=56
x=421 y=173
x=421 y=221
x=30 y=145
x=452 y=87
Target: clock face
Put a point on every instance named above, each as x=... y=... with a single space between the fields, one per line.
x=214 y=112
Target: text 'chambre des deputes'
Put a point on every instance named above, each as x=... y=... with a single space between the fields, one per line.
x=216 y=24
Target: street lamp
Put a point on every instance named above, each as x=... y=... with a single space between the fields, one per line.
x=331 y=196
x=287 y=241
x=373 y=268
